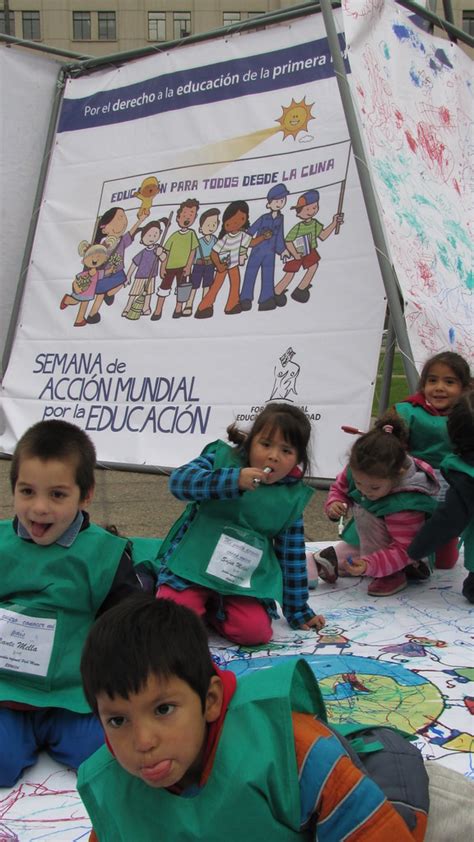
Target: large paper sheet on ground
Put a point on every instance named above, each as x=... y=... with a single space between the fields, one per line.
x=415 y=101
x=221 y=127
x=405 y=661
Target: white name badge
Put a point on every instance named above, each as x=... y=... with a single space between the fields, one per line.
x=234 y=561
x=26 y=643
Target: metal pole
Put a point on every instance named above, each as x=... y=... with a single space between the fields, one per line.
x=42 y=48
x=387 y=367
x=6 y=16
x=34 y=219
x=386 y=267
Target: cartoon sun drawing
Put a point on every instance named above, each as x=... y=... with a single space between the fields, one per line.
x=295 y=118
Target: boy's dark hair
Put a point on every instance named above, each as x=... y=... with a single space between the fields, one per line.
x=57 y=440
x=382 y=452
x=290 y=420
x=458 y=364
x=188 y=203
x=461 y=424
x=143 y=636
x=207 y=214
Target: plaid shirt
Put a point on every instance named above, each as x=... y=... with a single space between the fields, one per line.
x=196 y=481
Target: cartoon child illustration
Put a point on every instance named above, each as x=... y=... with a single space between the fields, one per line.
x=228 y=254
x=203 y=270
x=144 y=266
x=113 y=223
x=301 y=241
x=262 y=258
x=147 y=191
x=180 y=250
x=94 y=258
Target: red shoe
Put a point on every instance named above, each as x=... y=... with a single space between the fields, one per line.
x=326 y=565
x=388 y=585
x=63 y=304
x=447 y=555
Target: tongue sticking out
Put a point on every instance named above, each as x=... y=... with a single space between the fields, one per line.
x=157 y=772
x=37 y=530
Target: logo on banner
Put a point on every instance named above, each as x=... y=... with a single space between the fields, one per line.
x=286 y=373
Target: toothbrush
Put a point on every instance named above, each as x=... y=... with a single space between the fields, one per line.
x=256 y=480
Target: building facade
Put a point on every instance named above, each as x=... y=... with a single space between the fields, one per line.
x=102 y=27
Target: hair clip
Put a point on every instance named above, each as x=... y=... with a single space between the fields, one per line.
x=353 y=430
x=387 y=428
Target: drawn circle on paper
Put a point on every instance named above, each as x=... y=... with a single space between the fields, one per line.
x=357 y=689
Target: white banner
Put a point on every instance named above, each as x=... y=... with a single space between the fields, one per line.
x=415 y=101
x=155 y=337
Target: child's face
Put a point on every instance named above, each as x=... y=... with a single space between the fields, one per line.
x=210 y=225
x=47 y=498
x=236 y=222
x=117 y=225
x=442 y=388
x=151 y=236
x=186 y=217
x=372 y=487
x=308 y=211
x=159 y=733
x=270 y=450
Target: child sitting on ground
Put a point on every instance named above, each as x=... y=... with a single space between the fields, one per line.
x=57 y=573
x=390 y=494
x=194 y=754
x=239 y=546
x=455 y=516
x=443 y=379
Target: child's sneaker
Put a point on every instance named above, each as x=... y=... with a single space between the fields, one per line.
x=468 y=587
x=388 y=585
x=326 y=565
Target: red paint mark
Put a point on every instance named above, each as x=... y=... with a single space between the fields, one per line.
x=445 y=116
x=456 y=186
x=398 y=118
x=360 y=91
x=411 y=141
x=469 y=702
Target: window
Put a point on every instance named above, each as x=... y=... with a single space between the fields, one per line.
x=231 y=17
x=11 y=18
x=156 y=26
x=181 y=24
x=107 y=26
x=81 y=26
x=468 y=21
x=31 y=26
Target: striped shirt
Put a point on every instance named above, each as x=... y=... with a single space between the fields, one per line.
x=196 y=481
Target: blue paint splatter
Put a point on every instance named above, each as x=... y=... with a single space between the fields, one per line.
x=451 y=335
x=416 y=78
x=385 y=50
x=442 y=58
x=403 y=33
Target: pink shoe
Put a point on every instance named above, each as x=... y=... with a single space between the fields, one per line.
x=388 y=585
x=326 y=565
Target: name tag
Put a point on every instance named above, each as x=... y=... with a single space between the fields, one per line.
x=234 y=561
x=26 y=643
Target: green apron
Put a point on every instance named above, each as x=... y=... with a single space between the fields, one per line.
x=455 y=463
x=401 y=501
x=256 y=748
x=49 y=597
x=228 y=546
x=429 y=438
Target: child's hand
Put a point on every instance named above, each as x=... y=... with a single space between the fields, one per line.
x=250 y=478
x=336 y=509
x=356 y=567
x=317 y=622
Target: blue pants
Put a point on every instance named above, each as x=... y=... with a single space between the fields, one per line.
x=67 y=736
